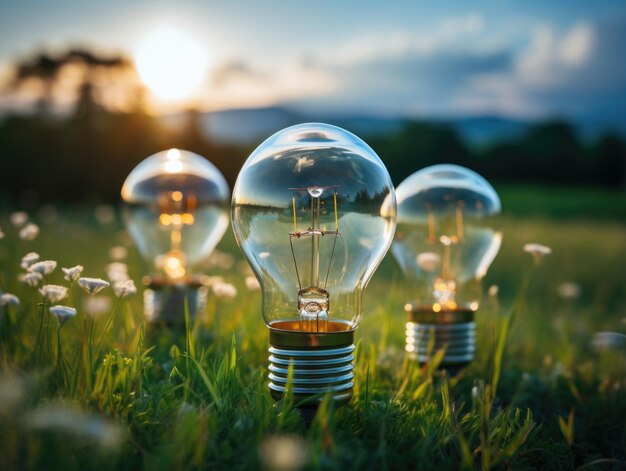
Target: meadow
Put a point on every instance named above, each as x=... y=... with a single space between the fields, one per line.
x=545 y=391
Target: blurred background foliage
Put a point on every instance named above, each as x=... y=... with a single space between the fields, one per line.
x=85 y=127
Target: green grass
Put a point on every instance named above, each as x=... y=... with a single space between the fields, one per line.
x=542 y=399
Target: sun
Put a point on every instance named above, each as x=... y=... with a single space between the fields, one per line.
x=171 y=64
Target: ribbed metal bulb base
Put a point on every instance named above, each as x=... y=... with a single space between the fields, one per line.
x=322 y=362
x=455 y=332
x=165 y=303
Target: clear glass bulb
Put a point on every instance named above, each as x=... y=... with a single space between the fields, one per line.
x=445 y=241
x=176 y=211
x=313 y=210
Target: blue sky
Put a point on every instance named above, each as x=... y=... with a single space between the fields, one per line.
x=521 y=59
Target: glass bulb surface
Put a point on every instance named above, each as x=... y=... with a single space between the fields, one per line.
x=313 y=210
x=176 y=210
x=444 y=240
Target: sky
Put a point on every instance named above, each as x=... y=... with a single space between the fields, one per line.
x=520 y=59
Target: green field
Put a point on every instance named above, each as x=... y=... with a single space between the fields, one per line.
x=137 y=402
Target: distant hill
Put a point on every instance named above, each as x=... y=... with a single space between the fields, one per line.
x=247 y=126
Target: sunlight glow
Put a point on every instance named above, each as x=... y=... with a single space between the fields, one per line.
x=171 y=64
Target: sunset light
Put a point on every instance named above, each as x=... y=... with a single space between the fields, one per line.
x=171 y=64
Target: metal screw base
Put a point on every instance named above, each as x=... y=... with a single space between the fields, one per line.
x=456 y=333
x=322 y=362
x=165 y=303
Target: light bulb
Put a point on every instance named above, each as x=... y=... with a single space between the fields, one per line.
x=444 y=244
x=176 y=212
x=313 y=211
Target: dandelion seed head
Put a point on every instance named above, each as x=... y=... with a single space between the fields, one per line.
x=92 y=285
x=8 y=299
x=18 y=218
x=29 y=232
x=72 y=273
x=53 y=293
x=252 y=283
x=29 y=259
x=124 y=288
x=225 y=291
x=45 y=267
x=62 y=313
x=31 y=278
x=568 y=290
x=428 y=261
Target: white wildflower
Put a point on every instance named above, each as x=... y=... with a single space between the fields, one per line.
x=62 y=313
x=493 y=291
x=104 y=214
x=117 y=271
x=568 y=290
x=608 y=341
x=210 y=281
x=92 y=285
x=428 y=261
x=252 y=283
x=8 y=299
x=44 y=268
x=29 y=232
x=53 y=293
x=32 y=278
x=56 y=416
x=118 y=253
x=97 y=305
x=29 y=259
x=284 y=453
x=124 y=288
x=538 y=251
x=72 y=273
x=224 y=291
x=19 y=218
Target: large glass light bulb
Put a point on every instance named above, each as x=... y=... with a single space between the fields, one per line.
x=444 y=244
x=176 y=212
x=313 y=210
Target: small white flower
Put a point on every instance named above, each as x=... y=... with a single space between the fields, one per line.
x=73 y=273
x=45 y=267
x=224 y=291
x=29 y=259
x=568 y=290
x=117 y=271
x=29 y=232
x=124 y=288
x=428 y=261
x=8 y=299
x=118 y=253
x=493 y=291
x=19 y=218
x=97 y=305
x=53 y=293
x=62 y=313
x=92 y=285
x=32 y=278
x=252 y=283
x=538 y=251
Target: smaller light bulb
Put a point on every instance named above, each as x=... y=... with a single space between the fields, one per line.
x=444 y=244
x=176 y=212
